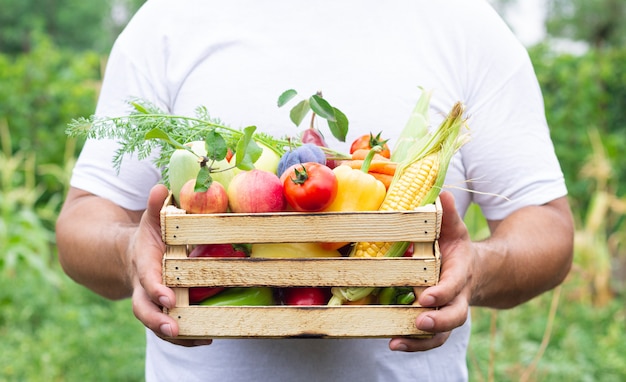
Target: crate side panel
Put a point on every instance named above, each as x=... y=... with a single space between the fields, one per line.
x=309 y=322
x=375 y=272
x=300 y=227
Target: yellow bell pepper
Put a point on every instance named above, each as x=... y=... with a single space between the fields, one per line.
x=291 y=250
x=356 y=191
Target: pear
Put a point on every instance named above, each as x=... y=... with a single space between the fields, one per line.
x=184 y=166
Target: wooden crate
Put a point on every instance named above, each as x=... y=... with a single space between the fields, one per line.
x=180 y=231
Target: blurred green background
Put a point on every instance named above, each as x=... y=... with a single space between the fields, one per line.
x=52 y=55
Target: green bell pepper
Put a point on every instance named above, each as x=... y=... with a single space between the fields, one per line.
x=242 y=296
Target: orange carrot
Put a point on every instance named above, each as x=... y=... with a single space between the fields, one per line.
x=385 y=178
x=360 y=154
x=381 y=166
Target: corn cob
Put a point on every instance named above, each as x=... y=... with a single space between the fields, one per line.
x=417 y=182
x=405 y=195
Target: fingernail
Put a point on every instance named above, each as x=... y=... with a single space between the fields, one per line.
x=426 y=323
x=401 y=347
x=165 y=301
x=166 y=330
x=427 y=300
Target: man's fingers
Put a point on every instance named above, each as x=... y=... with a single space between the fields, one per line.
x=414 y=345
x=151 y=315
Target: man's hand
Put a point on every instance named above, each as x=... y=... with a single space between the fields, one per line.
x=145 y=253
x=452 y=293
x=503 y=271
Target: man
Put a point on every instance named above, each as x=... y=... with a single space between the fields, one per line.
x=368 y=58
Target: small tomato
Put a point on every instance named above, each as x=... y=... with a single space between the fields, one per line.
x=368 y=141
x=310 y=187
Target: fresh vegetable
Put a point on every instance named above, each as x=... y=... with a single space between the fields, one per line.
x=310 y=187
x=362 y=153
x=306 y=153
x=379 y=166
x=369 y=141
x=197 y=294
x=213 y=200
x=357 y=191
x=396 y=296
x=418 y=181
x=290 y=250
x=305 y=296
x=383 y=170
x=256 y=191
x=244 y=296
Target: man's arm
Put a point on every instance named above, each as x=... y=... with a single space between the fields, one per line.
x=93 y=235
x=117 y=253
x=528 y=253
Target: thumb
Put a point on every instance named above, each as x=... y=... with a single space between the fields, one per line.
x=157 y=197
x=452 y=226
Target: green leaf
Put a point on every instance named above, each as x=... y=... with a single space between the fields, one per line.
x=203 y=180
x=137 y=106
x=299 y=111
x=286 y=97
x=216 y=146
x=157 y=133
x=247 y=151
x=339 y=128
x=322 y=108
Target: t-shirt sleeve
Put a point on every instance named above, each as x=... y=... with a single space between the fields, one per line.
x=94 y=171
x=510 y=161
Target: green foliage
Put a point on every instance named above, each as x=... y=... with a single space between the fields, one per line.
x=585 y=93
x=26 y=236
x=597 y=22
x=65 y=332
x=73 y=24
x=41 y=92
x=586 y=343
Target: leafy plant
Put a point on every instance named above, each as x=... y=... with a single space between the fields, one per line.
x=25 y=239
x=336 y=119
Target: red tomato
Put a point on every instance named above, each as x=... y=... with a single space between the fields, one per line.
x=310 y=187
x=305 y=296
x=368 y=141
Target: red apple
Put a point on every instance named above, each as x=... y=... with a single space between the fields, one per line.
x=256 y=191
x=213 y=200
x=198 y=294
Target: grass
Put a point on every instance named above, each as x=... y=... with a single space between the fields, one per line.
x=65 y=332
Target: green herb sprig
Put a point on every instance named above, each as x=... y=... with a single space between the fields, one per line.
x=148 y=130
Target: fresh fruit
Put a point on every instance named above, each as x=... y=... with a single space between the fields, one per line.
x=268 y=161
x=213 y=200
x=256 y=191
x=305 y=296
x=184 y=165
x=305 y=153
x=310 y=187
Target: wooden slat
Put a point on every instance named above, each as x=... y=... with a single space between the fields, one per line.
x=301 y=272
x=284 y=227
x=292 y=321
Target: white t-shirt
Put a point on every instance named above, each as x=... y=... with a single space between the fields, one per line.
x=369 y=58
